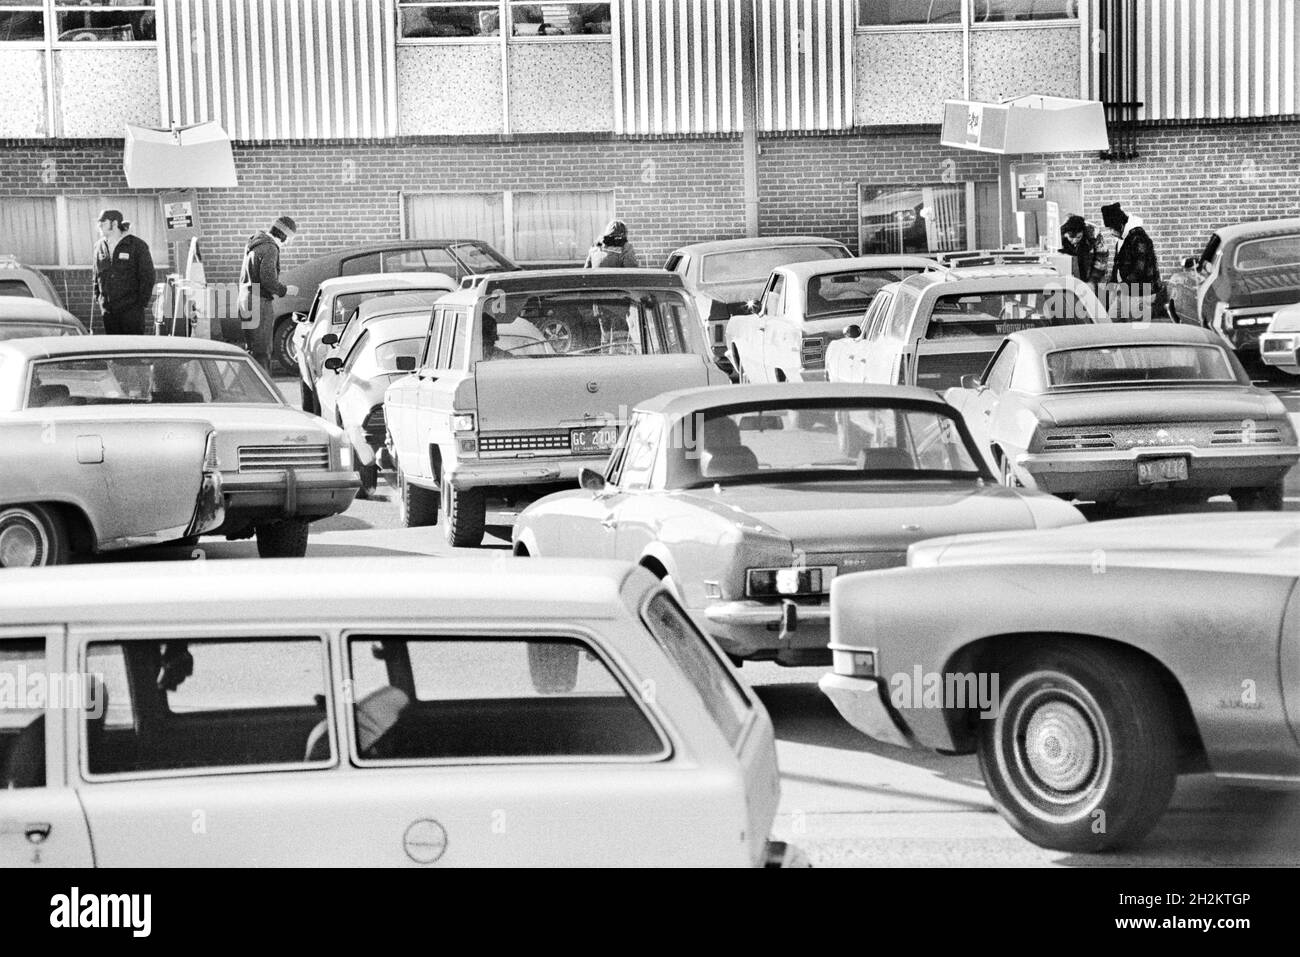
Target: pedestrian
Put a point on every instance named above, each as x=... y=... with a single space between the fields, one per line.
x=612 y=250
x=1089 y=249
x=1136 y=271
x=259 y=285
x=124 y=276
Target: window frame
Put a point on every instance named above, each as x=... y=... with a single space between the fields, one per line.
x=505 y=14
x=50 y=10
x=160 y=252
x=967 y=21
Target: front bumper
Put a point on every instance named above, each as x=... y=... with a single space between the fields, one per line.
x=479 y=473
x=1088 y=473
x=305 y=494
x=788 y=633
x=861 y=701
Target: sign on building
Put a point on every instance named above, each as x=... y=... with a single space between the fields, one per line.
x=180 y=216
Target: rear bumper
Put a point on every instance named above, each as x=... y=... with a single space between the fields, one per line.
x=265 y=496
x=1086 y=473
x=861 y=701
x=751 y=629
x=481 y=473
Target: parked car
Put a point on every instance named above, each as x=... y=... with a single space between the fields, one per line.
x=942 y=326
x=371 y=356
x=23 y=318
x=1280 y=344
x=1129 y=412
x=804 y=308
x=1157 y=654
x=456 y=258
x=1241 y=277
x=340 y=301
x=725 y=276
x=482 y=424
x=281 y=469
x=424 y=718
x=748 y=501
x=73 y=485
x=25 y=282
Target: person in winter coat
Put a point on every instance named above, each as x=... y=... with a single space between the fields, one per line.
x=1089 y=249
x=1136 y=271
x=259 y=285
x=123 y=278
x=612 y=250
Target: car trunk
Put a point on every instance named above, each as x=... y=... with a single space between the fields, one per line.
x=1258 y=288
x=1151 y=405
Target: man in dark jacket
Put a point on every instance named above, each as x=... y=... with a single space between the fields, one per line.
x=1136 y=271
x=124 y=276
x=1082 y=241
x=259 y=284
x=612 y=250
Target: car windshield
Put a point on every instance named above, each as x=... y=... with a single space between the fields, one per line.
x=1000 y=313
x=26 y=330
x=1112 y=365
x=845 y=292
x=755 y=265
x=147 y=379
x=590 y=322
x=478 y=258
x=347 y=304
x=811 y=441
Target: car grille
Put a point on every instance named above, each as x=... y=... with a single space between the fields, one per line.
x=1194 y=434
x=278 y=458
x=1268 y=435
x=813 y=353
x=848 y=562
x=525 y=442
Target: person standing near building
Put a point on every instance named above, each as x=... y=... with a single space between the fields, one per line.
x=123 y=276
x=611 y=251
x=1136 y=270
x=259 y=285
x=1089 y=249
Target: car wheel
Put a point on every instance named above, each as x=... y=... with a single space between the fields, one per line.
x=419 y=505
x=32 y=536
x=552 y=667
x=1266 y=499
x=558 y=334
x=369 y=475
x=1082 y=755
x=464 y=514
x=282 y=347
x=309 y=401
x=283 y=539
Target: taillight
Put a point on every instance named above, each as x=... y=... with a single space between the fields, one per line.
x=813 y=352
x=210 y=461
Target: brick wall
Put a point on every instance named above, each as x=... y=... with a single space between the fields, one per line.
x=1188 y=180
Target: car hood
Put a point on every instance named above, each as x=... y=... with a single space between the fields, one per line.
x=868 y=516
x=1171 y=404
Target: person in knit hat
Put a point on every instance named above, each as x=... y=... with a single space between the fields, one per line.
x=1136 y=270
x=612 y=251
x=259 y=285
x=1089 y=248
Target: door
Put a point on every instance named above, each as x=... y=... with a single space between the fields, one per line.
x=746 y=332
x=780 y=334
x=433 y=399
x=41 y=822
x=981 y=406
x=639 y=508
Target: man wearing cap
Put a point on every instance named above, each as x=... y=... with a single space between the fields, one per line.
x=124 y=276
x=259 y=284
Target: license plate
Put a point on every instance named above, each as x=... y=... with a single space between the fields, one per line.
x=584 y=441
x=1151 y=471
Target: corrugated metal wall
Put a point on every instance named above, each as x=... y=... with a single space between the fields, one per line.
x=280 y=69
x=677 y=65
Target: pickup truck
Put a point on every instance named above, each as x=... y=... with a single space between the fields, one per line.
x=526 y=377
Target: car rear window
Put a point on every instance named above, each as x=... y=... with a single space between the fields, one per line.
x=16 y=287
x=1000 y=313
x=1273 y=252
x=849 y=291
x=591 y=322
x=26 y=330
x=755 y=265
x=712 y=678
x=147 y=379
x=1145 y=363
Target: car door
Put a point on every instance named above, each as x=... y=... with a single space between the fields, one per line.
x=639 y=507
x=746 y=331
x=402 y=405
x=433 y=396
x=981 y=408
x=331 y=384
x=41 y=821
x=781 y=335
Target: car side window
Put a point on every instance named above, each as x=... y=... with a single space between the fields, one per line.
x=998 y=376
x=360 y=265
x=448 y=333
x=874 y=322
x=508 y=698
x=673 y=262
x=773 y=296
x=900 y=320
x=354 y=353
x=430 y=358
x=314 y=311
x=459 y=341
x=22 y=719
x=210 y=703
x=639 y=457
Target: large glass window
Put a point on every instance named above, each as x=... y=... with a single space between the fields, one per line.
x=997 y=313
x=1153 y=363
x=457 y=216
x=29 y=226
x=913 y=219
x=559 y=226
x=143 y=379
x=1011 y=11
x=592 y=322
x=837 y=293
x=1275 y=252
x=22 y=21
x=877 y=13
x=143 y=213
x=99 y=20
x=457 y=20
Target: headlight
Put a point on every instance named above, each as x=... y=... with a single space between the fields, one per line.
x=462 y=421
x=210 y=461
x=788 y=582
x=345 y=458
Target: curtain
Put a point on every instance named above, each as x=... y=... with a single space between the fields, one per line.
x=559 y=226
x=457 y=216
x=142 y=212
x=27 y=230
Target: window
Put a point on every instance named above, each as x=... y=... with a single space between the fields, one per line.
x=508 y=698
x=876 y=13
x=431 y=342
x=558 y=226
x=22 y=715
x=1000 y=313
x=457 y=216
x=999 y=373
x=838 y=293
x=29 y=226
x=80 y=227
x=589 y=322
x=1274 y=252
x=459 y=335
x=483 y=19
x=873 y=324
x=92 y=20
x=434 y=259
x=550 y=227
x=22 y=21
x=1010 y=11
x=238 y=702
x=914 y=219
x=772 y=305
x=558 y=19
x=639 y=457
x=143 y=379
x=360 y=265
x=1153 y=363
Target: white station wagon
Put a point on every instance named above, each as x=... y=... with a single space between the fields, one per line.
x=486 y=712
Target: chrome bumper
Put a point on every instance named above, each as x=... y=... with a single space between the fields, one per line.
x=750 y=629
x=290 y=493
x=1115 y=471
x=210 y=508
x=477 y=473
x=1279 y=349
x=861 y=702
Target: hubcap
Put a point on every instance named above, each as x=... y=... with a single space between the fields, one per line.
x=21 y=544
x=1060 y=746
x=557 y=333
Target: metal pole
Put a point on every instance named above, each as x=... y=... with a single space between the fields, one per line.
x=749 y=116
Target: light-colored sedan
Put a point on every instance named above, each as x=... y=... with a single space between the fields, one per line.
x=750 y=500
x=1280 y=345
x=490 y=713
x=1128 y=413
x=22 y=318
x=281 y=469
x=1087 y=666
x=72 y=484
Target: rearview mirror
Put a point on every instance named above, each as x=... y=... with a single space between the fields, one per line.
x=330 y=339
x=333 y=363
x=970 y=381
x=852 y=332
x=405 y=364
x=761 y=423
x=298 y=316
x=590 y=479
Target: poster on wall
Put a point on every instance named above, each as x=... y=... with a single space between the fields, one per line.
x=180 y=215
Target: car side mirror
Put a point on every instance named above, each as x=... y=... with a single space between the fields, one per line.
x=334 y=363
x=853 y=332
x=299 y=317
x=591 y=480
x=405 y=364
x=753 y=307
x=971 y=381
x=329 y=339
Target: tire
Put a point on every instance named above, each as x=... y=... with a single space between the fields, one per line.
x=1266 y=499
x=282 y=350
x=369 y=475
x=309 y=401
x=1082 y=755
x=283 y=539
x=32 y=536
x=553 y=668
x=464 y=512
x=419 y=505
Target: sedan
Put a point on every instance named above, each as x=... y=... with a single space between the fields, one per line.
x=749 y=501
x=22 y=318
x=281 y=469
x=1125 y=413
x=1087 y=667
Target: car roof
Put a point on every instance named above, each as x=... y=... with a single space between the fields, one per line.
x=1100 y=335
x=754 y=242
x=21 y=308
x=400 y=325
x=397 y=305
x=542 y=280
x=44 y=347
x=688 y=401
x=422 y=589
x=1258 y=229
x=955 y=284
x=368 y=282
x=821 y=267
x=387 y=245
